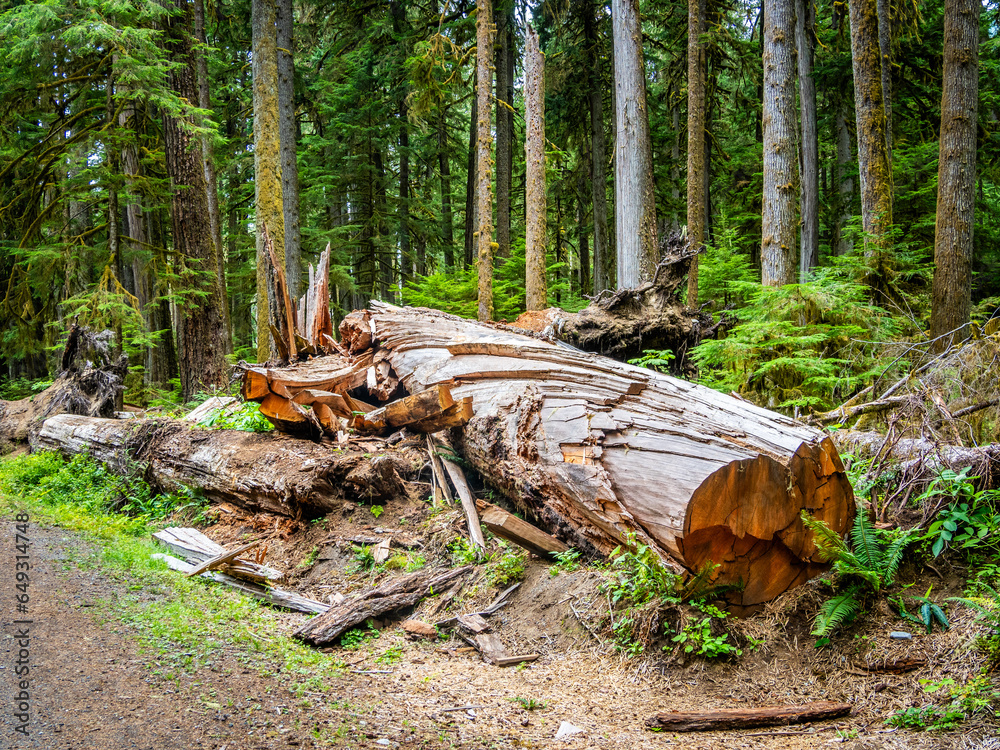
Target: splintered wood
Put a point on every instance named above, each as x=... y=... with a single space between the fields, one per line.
x=607 y=452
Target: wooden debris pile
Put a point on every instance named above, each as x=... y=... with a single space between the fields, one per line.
x=204 y=557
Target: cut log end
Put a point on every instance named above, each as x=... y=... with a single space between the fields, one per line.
x=746 y=519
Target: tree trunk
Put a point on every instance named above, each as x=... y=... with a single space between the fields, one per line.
x=505 y=131
x=885 y=62
x=873 y=156
x=602 y=450
x=635 y=200
x=268 y=197
x=952 y=302
x=444 y=164
x=778 y=223
x=266 y=472
x=845 y=182
x=598 y=158
x=534 y=154
x=485 y=33
x=287 y=132
x=211 y=178
x=696 y=194
x=202 y=329
x=809 y=148
x=471 y=183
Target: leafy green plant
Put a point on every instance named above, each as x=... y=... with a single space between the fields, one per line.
x=696 y=636
x=637 y=575
x=566 y=562
x=463 y=552
x=960 y=702
x=654 y=359
x=506 y=566
x=530 y=704
x=364 y=558
x=246 y=417
x=870 y=565
x=970 y=522
x=392 y=655
x=377 y=510
x=355 y=638
x=928 y=614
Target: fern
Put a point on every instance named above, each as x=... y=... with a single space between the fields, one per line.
x=866 y=544
x=843 y=607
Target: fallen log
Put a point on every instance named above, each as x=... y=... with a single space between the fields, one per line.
x=747 y=718
x=396 y=594
x=604 y=452
x=196 y=548
x=508 y=526
x=256 y=471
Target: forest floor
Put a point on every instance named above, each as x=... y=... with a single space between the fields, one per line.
x=124 y=654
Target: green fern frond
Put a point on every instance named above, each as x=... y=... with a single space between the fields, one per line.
x=831 y=545
x=835 y=611
x=865 y=541
x=701 y=583
x=893 y=555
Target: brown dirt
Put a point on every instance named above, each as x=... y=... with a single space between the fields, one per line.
x=92 y=688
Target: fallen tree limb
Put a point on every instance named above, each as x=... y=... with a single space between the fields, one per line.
x=842 y=414
x=747 y=718
x=196 y=548
x=601 y=451
x=396 y=594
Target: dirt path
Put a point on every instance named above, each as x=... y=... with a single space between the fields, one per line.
x=91 y=686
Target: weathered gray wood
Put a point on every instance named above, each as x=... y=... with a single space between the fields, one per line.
x=277 y=597
x=196 y=548
x=491 y=647
x=468 y=502
x=222 y=559
x=473 y=623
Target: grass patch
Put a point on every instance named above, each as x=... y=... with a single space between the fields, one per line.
x=182 y=624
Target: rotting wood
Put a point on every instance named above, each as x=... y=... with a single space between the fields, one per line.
x=429 y=407
x=195 y=548
x=395 y=594
x=225 y=558
x=747 y=718
x=512 y=661
x=508 y=526
x=225 y=403
x=604 y=452
x=491 y=647
x=271 y=595
x=468 y=502
x=256 y=471
x=473 y=623
x=419 y=629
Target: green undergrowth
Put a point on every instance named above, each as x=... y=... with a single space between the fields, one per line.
x=181 y=624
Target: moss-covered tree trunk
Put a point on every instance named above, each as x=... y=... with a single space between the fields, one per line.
x=202 y=325
x=805 y=19
x=505 y=128
x=779 y=224
x=534 y=151
x=471 y=223
x=951 y=303
x=635 y=204
x=873 y=156
x=485 y=33
x=267 y=163
x=598 y=155
x=444 y=167
x=288 y=133
x=696 y=140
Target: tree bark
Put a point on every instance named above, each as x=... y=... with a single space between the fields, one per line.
x=873 y=156
x=202 y=327
x=696 y=194
x=885 y=62
x=598 y=159
x=602 y=450
x=505 y=131
x=805 y=16
x=444 y=165
x=951 y=303
x=779 y=225
x=268 y=197
x=211 y=178
x=635 y=200
x=845 y=182
x=287 y=133
x=747 y=718
x=536 y=296
x=485 y=33
x=471 y=183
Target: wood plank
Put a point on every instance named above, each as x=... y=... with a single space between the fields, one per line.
x=747 y=718
x=511 y=661
x=270 y=594
x=222 y=559
x=491 y=647
x=437 y=469
x=381 y=551
x=518 y=531
x=473 y=623
x=468 y=502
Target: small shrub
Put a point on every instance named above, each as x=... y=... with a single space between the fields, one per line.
x=697 y=638
x=566 y=562
x=506 y=567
